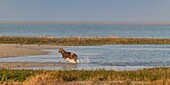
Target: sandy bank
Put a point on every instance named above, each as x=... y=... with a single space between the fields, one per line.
x=15 y=50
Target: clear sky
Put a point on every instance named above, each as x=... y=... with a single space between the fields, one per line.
x=85 y=10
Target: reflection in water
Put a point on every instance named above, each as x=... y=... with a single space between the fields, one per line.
x=116 y=57
x=68 y=67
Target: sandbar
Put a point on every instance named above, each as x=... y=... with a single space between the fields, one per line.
x=16 y=50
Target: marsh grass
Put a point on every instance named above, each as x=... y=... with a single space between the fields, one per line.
x=153 y=75
x=78 y=41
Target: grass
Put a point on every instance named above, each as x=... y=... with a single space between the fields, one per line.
x=160 y=76
x=75 y=41
x=152 y=75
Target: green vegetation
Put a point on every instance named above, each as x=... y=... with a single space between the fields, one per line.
x=75 y=41
x=145 y=75
x=160 y=76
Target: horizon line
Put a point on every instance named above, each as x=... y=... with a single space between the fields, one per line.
x=84 y=22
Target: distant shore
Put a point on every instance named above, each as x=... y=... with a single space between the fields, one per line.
x=81 y=22
x=80 y=41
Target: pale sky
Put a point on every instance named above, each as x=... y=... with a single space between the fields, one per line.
x=85 y=10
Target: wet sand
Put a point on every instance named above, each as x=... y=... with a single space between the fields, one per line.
x=15 y=50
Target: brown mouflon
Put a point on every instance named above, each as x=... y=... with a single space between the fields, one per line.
x=69 y=56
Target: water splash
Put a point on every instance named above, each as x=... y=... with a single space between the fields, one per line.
x=86 y=60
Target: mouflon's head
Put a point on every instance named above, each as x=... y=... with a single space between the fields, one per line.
x=61 y=50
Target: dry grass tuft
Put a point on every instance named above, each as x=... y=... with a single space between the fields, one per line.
x=161 y=82
x=40 y=79
x=152 y=76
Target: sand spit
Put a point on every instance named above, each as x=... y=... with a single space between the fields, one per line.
x=16 y=50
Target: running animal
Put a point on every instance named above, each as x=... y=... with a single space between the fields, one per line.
x=68 y=56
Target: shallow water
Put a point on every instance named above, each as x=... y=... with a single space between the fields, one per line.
x=116 y=57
